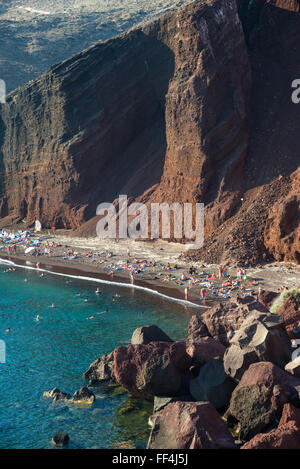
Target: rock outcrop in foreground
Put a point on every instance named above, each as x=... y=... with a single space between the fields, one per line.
x=249 y=398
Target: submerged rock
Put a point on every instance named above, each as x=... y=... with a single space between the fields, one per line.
x=147 y=334
x=189 y=425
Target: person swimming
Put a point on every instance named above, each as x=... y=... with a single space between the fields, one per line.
x=37 y=317
x=8 y=329
x=53 y=305
x=103 y=312
x=98 y=291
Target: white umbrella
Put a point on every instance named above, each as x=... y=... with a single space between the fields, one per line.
x=32 y=248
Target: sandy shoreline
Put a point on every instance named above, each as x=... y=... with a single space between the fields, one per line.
x=157 y=255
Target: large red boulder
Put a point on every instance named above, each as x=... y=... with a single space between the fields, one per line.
x=285 y=436
x=205 y=349
x=291 y=315
x=223 y=319
x=147 y=370
x=259 y=398
x=189 y=425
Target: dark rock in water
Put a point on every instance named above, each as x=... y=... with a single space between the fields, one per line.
x=202 y=350
x=261 y=337
x=196 y=329
x=259 y=398
x=189 y=425
x=84 y=395
x=100 y=370
x=57 y=395
x=212 y=384
x=157 y=368
x=285 y=436
x=147 y=334
x=60 y=439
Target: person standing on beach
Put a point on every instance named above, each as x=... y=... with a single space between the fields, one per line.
x=131 y=277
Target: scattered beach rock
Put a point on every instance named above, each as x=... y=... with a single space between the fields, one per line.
x=212 y=384
x=60 y=439
x=100 y=370
x=205 y=349
x=285 y=436
x=84 y=395
x=261 y=337
x=57 y=395
x=147 y=334
x=291 y=316
x=258 y=399
x=189 y=425
x=153 y=369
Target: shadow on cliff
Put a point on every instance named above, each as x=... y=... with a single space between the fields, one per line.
x=118 y=118
x=3 y=199
x=273 y=40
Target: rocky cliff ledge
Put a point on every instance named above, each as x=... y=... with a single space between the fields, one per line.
x=165 y=112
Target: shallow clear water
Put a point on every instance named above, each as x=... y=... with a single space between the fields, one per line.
x=55 y=352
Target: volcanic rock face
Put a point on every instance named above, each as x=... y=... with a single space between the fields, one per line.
x=154 y=369
x=165 y=113
x=206 y=112
x=286 y=436
x=267 y=222
x=189 y=425
x=102 y=122
x=259 y=398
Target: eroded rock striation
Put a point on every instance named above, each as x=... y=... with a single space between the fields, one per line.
x=156 y=111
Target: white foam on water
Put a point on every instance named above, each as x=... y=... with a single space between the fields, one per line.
x=108 y=282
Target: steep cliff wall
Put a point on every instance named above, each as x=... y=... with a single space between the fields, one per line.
x=101 y=123
x=267 y=225
x=195 y=106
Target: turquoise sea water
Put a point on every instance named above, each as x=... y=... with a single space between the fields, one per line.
x=55 y=352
